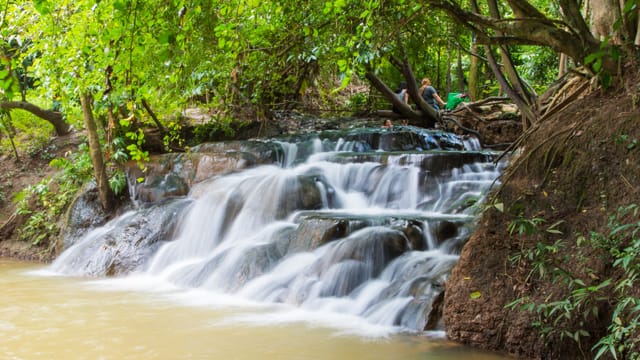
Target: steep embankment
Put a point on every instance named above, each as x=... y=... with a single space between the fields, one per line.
x=575 y=168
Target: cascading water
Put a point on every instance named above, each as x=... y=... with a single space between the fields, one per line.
x=340 y=224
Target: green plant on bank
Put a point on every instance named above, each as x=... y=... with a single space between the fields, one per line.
x=570 y=315
x=217 y=127
x=623 y=242
x=46 y=201
x=136 y=153
x=357 y=102
x=626 y=141
x=173 y=136
x=6 y=126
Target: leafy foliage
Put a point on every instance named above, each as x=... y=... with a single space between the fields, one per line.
x=586 y=296
x=45 y=202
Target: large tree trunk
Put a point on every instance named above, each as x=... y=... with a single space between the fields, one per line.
x=427 y=114
x=563 y=65
x=604 y=14
x=99 y=169
x=473 y=72
x=424 y=115
x=54 y=117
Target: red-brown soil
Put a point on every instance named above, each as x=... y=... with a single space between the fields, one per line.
x=577 y=166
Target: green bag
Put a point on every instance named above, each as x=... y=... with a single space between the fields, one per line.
x=453 y=99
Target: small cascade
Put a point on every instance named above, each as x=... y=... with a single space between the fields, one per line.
x=366 y=223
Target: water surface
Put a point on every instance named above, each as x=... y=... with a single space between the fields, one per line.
x=51 y=317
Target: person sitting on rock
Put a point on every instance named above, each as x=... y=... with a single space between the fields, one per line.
x=402 y=94
x=430 y=95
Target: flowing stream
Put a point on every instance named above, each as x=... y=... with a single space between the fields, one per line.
x=338 y=245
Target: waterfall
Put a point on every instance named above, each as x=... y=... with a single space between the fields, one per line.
x=367 y=225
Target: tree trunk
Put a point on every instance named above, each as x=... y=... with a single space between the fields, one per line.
x=429 y=115
x=448 y=84
x=562 y=65
x=53 y=117
x=473 y=71
x=99 y=169
x=460 y=72
x=604 y=14
x=147 y=107
x=522 y=100
x=507 y=64
x=403 y=108
x=529 y=26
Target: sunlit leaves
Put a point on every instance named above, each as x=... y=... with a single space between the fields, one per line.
x=43 y=6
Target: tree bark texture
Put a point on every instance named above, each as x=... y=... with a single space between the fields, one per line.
x=473 y=72
x=99 y=169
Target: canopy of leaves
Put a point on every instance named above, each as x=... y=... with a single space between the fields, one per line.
x=236 y=53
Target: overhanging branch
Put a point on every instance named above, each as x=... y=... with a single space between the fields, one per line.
x=54 y=117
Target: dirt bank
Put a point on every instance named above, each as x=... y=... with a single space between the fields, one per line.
x=575 y=169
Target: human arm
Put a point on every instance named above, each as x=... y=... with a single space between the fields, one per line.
x=439 y=100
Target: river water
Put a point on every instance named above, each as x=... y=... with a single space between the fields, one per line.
x=52 y=317
x=334 y=245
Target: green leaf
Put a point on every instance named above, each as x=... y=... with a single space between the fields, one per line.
x=475 y=295
x=166 y=38
x=42 y=6
x=121 y=5
x=592 y=57
x=345 y=81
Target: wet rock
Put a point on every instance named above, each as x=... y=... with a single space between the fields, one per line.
x=374 y=246
x=122 y=245
x=253 y=263
x=445 y=230
x=161 y=188
x=415 y=236
x=314 y=232
x=84 y=214
x=173 y=175
x=344 y=277
x=435 y=320
x=302 y=193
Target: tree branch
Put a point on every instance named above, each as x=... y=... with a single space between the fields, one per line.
x=404 y=108
x=54 y=117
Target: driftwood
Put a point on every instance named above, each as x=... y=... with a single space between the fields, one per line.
x=495 y=121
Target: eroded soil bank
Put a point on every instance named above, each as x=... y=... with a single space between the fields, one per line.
x=575 y=168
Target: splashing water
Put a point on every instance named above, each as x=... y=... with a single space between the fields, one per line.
x=339 y=226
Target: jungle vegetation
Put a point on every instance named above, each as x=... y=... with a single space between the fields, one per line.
x=122 y=62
